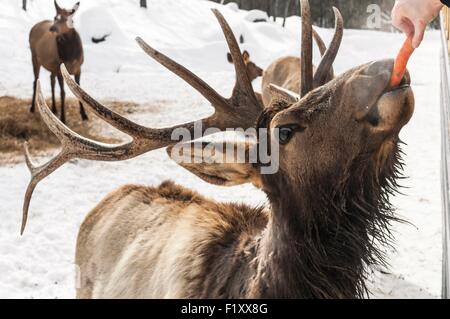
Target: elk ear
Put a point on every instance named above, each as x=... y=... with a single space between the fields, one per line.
x=75 y=7
x=246 y=56
x=281 y=94
x=218 y=163
x=57 y=7
x=229 y=57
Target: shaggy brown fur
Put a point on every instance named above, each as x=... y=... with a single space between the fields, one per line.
x=229 y=226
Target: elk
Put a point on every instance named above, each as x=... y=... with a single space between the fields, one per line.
x=329 y=203
x=53 y=43
x=253 y=70
x=285 y=72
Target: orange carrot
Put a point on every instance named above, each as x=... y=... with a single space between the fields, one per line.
x=400 y=63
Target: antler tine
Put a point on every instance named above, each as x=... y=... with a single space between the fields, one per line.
x=193 y=80
x=147 y=139
x=243 y=97
x=37 y=174
x=280 y=93
x=65 y=135
x=77 y=146
x=306 y=55
x=111 y=117
x=244 y=84
x=323 y=70
x=322 y=49
x=319 y=42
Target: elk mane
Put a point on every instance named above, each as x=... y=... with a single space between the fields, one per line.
x=344 y=227
x=347 y=219
x=69 y=46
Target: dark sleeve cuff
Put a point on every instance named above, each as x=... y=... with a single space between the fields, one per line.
x=446 y=2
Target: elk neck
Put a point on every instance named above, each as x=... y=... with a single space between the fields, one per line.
x=321 y=237
x=69 y=46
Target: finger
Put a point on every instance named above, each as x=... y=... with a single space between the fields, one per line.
x=407 y=28
x=419 y=31
x=401 y=22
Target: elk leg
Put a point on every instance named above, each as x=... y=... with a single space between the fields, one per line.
x=84 y=116
x=52 y=82
x=63 y=97
x=33 y=101
x=36 y=69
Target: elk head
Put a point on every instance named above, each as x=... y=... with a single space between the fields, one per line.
x=63 y=21
x=344 y=131
x=253 y=70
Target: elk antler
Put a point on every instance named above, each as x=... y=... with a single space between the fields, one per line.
x=324 y=71
x=240 y=110
x=280 y=93
x=322 y=49
x=306 y=55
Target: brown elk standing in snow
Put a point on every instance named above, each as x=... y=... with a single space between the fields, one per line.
x=53 y=43
x=253 y=70
x=329 y=201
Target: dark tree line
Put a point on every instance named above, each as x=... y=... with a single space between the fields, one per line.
x=358 y=14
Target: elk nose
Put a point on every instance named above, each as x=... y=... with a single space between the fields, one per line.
x=260 y=71
x=378 y=67
x=406 y=79
x=52 y=28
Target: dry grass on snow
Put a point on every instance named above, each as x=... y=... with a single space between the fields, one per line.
x=18 y=124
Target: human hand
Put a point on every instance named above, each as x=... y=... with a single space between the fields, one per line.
x=412 y=17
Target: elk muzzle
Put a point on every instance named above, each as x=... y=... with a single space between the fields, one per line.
x=387 y=109
x=259 y=71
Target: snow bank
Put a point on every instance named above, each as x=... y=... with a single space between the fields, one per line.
x=39 y=264
x=256 y=15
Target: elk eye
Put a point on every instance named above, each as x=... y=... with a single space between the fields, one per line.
x=285 y=134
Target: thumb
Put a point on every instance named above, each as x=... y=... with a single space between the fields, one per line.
x=419 y=31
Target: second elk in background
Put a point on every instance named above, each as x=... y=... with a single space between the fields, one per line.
x=54 y=43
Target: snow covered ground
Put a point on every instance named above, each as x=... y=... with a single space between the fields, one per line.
x=40 y=264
